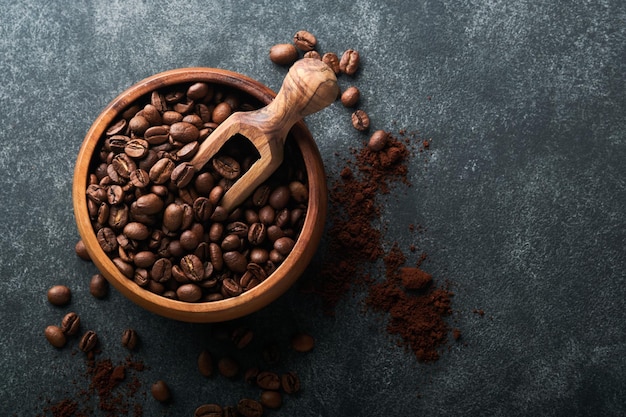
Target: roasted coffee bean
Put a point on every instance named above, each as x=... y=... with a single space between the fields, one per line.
x=189 y=293
x=241 y=337
x=249 y=408
x=123 y=165
x=290 y=382
x=59 y=295
x=184 y=132
x=188 y=151
x=282 y=218
x=216 y=257
x=257 y=233
x=237 y=228
x=230 y=287
x=378 y=140
x=332 y=60
x=96 y=193
x=152 y=114
x=136 y=148
x=312 y=55
x=149 y=204
x=88 y=342
x=302 y=342
x=156 y=135
x=208 y=410
x=268 y=380
x=205 y=363
x=161 y=270
x=190 y=239
x=171 y=117
x=216 y=195
x=137 y=231
x=115 y=194
x=228 y=367
x=192 y=267
x=70 y=324
x=235 y=261
x=230 y=243
x=138 y=125
x=140 y=178
x=267 y=214
x=160 y=391
x=360 y=120
x=98 y=286
x=350 y=97
x=130 y=339
x=144 y=259
x=271 y=399
x=81 y=250
x=198 y=91
x=259 y=255
x=226 y=166
x=261 y=195
x=204 y=183
x=274 y=233
x=183 y=174
x=221 y=112
x=349 y=62
x=283 y=54
x=141 y=277
x=279 y=198
x=299 y=191
x=117 y=127
x=305 y=41
x=161 y=171
x=55 y=336
x=202 y=209
x=284 y=245
x=124 y=267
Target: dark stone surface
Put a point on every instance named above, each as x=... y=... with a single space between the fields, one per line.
x=522 y=197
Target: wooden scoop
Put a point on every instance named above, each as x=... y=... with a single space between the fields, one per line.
x=309 y=86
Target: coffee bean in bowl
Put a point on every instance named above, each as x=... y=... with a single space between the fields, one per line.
x=153 y=225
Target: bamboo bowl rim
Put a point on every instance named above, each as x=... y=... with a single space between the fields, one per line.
x=249 y=301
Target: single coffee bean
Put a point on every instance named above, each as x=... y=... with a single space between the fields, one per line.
x=124 y=267
x=59 y=295
x=279 y=198
x=138 y=125
x=70 y=324
x=332 y=60
x=205 y=363
x=144 y=259
x=157 y=135
x=250 y=375
x=228 y=367
x=204 y=183
x=130 y=339
x=117 y=127
x=81 y=250
x=55 y=336
x=202 y=209
x=188 y=151
x=140 y=178
x=360 y=120
x=216 y=257
x=299 y=192
x=119 y=216
x=235 y=261
x=257 y=233
x=378 y=140
x=290 y=382
x=192 y=267
x=161 y=171
x=161 y=270
x=227 y=167
x=107 y=239
x=283 y=54
x=189 y=293
x=349 y=62
x=268 y=380
x=136 y=148
x=198 y=90
x=184 y=132
x=230 y=287
x=271 y=399
x=152 y=114
x=284 y=245
x=241 y=337
x=98 y=286
x=160 y=391
x=305 y=41
x=208 y=410
x=123 y=165
x=248 y=407
x=350 y=97
x=183 y=174
x=149 y=204
x=302 y=342
x=88 y=342
x=221 y=112
x=137 y=231
x=312 y=55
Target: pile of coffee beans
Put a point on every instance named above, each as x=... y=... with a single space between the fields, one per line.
x=160 y=220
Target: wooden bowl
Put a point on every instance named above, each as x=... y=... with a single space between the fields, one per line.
x=249 y=301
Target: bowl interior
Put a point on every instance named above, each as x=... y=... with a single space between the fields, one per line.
x=249 y=301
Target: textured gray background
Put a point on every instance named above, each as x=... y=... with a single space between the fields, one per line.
x=522 y=196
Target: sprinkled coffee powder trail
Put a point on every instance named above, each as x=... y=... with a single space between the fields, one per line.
x=416 y=306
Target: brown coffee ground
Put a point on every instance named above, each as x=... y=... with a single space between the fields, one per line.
x=416 y=307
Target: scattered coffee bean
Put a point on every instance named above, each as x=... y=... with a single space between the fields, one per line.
x=205 y=363
x=99 y=286
x=290 y=382
x=55 y=336
x=268 y=380
x=130 y=339
x=302 y=342
x=305 y=41
x=88 y=342
x=208 y=410
x=271 y=399
x=283 y=54
x=349 y=62
x=249 y=408
x=360 y=120
x=59 y=295
x=350 y=97
x=160 y=391
x=70 y=324
x=228 y=367
x=378 y=140
x=241 y=337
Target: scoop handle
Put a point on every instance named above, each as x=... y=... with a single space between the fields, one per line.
x=309 y=86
